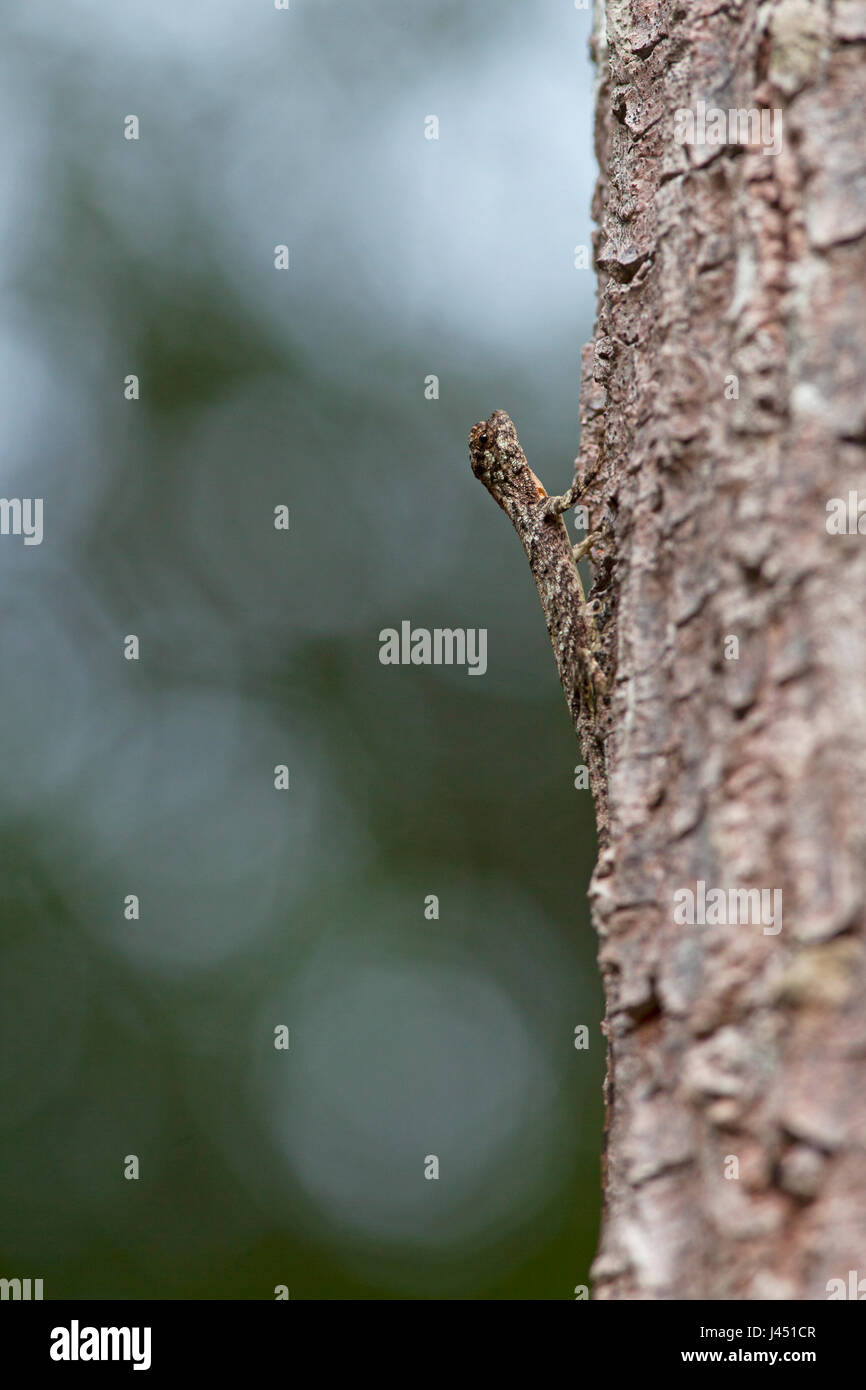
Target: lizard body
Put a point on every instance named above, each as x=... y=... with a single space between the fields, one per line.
x=498 y=461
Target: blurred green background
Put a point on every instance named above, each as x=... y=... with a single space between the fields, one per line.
x=409 y=1037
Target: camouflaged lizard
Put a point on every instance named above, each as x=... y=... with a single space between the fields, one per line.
x=500 y=464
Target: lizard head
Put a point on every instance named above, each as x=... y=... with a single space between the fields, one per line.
x=500 y=464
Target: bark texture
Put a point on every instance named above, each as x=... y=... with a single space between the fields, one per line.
x=724 y=404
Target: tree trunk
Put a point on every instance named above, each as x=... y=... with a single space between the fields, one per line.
x=724 y=407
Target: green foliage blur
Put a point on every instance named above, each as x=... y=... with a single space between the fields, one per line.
x=409 y=1036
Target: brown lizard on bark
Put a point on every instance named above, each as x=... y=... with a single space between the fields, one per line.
x=500 y=464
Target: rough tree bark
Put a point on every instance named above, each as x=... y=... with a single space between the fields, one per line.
x=724 y=405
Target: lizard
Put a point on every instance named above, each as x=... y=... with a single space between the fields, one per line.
x=498 y=461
